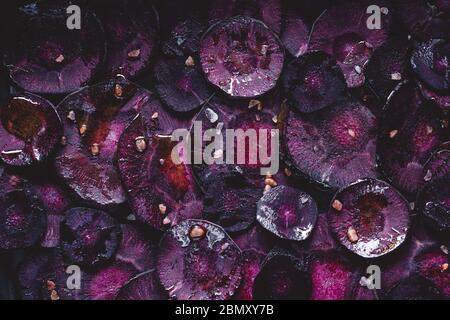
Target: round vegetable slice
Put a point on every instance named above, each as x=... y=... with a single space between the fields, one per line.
x=105 y=284
x=30 y=129
x=180 y=83
x=55 y=202
x=255 y=238
x=313 y=82
x=197 y=260
x=282 y=277
x=184 y=38
x=333 y=146
x=43 y=276
x=430 y=63
x=131 y=29
x=347 y=32
x=231 y=202
x=387 y=67
x=268 y=11
x=332 y=276
x=159 y=186
x=370 y=218
x=242 y=57
x=321 y=238
x=136 y=248
x=434 y=203
x=214 y=115
x=432 y=264
x=22 y=214
x=401 y=264
x=423 y=19
x=89 y=237
x=287 y=212
x=253 y=139
x=50 y=53
x=295 y=34
x=94 y=119
x=412 y=130
x=258 y=151
x=438 y=164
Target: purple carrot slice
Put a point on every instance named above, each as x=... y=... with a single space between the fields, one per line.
x=256 y=238
x=332 y=276
x=346 y=32
x=313 y=82
x=283 y=277
x=94 y=119
x=106 y=283
x=321 y=238
x=438 y=164
x=30 y=130
x=370 y=218
x=158 y=197
x=180 y=83
x=430 y=64
x=242 y=57
x=231 y=202
x=334 y=146
x=55 y=202
x=295 y=33
x=268 y=11
x=401 y=264
x=131 y=29
x=42 y=276
x=287 y=212
x=136 y=248
x=184 y=38
x=412 y=130
x=251 y=153
x=387 y=67
x=89 y=237
x=432 y=264
x=48 y=52
x=197 y=260
x=22 y=214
